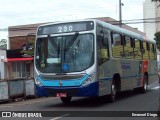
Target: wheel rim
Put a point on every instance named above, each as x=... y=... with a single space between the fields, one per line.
x=145 y=82
x=145 y=85
x=113 y=92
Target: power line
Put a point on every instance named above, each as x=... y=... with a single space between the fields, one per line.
x=116 y=23
x=44 y=11
x=142 y=22
x=132 y=21
x=143 y=19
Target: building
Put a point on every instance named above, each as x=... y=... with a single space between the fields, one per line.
x=16 y=65
x=151 y=15
x=18 y=34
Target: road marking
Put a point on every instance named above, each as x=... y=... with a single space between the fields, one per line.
x=155 y=88
x=60 y=117
x=30 y=102
x=4 y=106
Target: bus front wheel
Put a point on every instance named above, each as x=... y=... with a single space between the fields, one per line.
x=66 y=99
x=112 y=95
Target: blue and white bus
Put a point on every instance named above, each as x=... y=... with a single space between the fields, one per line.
x=92 y=58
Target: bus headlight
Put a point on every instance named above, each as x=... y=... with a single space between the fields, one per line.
x=89 y=80
x=37 y=82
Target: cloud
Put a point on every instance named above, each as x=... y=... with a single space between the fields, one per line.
x=33 y=11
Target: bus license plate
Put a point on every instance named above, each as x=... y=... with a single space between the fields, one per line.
x=61 y=95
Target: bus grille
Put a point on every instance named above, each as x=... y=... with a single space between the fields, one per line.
x=61 y=77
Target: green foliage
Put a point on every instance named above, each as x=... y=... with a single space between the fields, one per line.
x=157 y=38
x=155 y=0
x=28 y=50
x=3 y=44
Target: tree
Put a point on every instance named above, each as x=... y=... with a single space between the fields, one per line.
x=155 y=0
x=3 y=44
x=157 y=38
x=28 y=49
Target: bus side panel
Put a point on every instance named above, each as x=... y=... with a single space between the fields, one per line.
x=128 y=78
x=138 y=72
x=152 y=71
x=125 y=68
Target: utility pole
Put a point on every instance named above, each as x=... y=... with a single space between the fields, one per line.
x=120 y=13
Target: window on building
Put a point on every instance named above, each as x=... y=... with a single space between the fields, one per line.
x=19 y=70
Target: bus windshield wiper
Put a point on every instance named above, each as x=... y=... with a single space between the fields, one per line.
x=71 y=41
x=54 y=44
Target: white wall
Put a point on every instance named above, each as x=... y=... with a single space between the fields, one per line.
x=158 y=16
x=2 y=64
x=4 y=35
x=149 y=11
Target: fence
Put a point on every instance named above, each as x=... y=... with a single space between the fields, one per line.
x=16 y=88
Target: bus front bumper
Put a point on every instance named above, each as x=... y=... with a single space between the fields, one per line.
x=82 y=91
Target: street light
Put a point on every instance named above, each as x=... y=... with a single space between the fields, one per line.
x=120 y=13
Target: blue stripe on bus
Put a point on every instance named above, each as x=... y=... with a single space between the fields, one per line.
x=75 y=82
x=130 y=76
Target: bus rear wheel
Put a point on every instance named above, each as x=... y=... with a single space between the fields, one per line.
x=66 y=99
x=144 y=88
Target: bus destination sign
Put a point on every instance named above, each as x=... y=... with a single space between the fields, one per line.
x=66 y=27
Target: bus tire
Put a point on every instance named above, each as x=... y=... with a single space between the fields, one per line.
x=112 y=95
x=66 y=99
x=144 y=88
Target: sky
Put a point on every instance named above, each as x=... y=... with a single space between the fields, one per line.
x=21 y=12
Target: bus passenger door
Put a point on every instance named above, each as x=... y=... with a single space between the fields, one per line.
x=103 y=61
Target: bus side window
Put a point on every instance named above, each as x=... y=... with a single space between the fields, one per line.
x=147 y=46
x=128 y=49
x=148 y=49
x=152 y=52
x=106 y=43
x=142 y=48
x=153 y=48
x=141 y=44
x=123 y=40
x=102 y=40
x=146 y=54
x=132 y=42
x=117 y=48
x=137 y=50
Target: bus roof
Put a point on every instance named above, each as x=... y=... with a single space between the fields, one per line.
x=124 y=31
x=110 y=27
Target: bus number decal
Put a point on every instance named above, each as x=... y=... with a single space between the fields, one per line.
x=60 y=29
x=70 y=28
x=65 y=29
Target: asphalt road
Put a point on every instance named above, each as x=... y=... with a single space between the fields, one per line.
x=128 y=104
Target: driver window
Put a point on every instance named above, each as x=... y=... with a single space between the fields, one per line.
x=102 y=40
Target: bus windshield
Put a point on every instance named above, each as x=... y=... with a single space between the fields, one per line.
x=64 y=54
